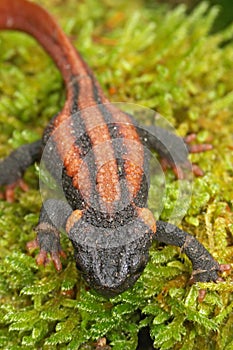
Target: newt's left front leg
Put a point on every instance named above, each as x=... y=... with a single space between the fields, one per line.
x=205 y=268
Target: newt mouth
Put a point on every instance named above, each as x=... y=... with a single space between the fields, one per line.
x=114 y=290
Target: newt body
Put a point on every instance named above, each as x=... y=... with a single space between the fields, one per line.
x=97 y=153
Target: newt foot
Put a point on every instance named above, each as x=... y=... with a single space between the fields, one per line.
x=43 y=257
x=9 y=193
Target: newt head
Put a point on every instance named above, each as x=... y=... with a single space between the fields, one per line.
x=111 y=258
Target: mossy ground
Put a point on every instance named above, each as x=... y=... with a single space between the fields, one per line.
x=162 y=59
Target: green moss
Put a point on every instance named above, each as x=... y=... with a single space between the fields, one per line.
x=162 y=59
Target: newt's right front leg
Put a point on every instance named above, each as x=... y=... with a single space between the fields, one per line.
x=53 y=217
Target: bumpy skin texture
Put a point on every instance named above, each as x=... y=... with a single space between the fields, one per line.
x=13 y=167
x=205 y=268
x=111 y=269
x=97 y=155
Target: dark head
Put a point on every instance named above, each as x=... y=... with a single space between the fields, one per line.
x=111 y=259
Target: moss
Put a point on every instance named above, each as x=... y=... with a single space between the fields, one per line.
x=162 y=59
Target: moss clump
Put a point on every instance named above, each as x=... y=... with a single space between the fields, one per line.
x=163 y=59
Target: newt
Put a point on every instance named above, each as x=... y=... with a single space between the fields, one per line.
x=97 y=154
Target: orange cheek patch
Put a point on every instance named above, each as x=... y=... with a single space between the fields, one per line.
x=148 y=218
x=73 y=218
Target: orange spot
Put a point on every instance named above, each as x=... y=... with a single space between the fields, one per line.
x=146 y=215
x=73 y=218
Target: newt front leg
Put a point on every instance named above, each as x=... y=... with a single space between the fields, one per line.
x=205 y=267
x=53 y=217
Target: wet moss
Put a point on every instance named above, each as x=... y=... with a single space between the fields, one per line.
x=162 y=59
